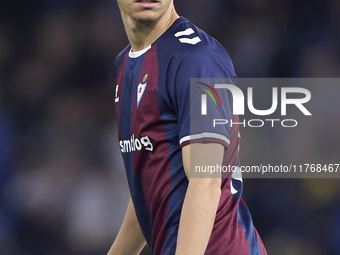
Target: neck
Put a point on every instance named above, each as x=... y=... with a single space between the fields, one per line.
x=141 y=34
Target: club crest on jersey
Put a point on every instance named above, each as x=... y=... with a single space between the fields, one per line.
x=141 y=88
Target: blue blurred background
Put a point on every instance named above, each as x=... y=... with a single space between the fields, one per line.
x=62 y=183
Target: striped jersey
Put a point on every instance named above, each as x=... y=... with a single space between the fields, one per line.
x=155 y=105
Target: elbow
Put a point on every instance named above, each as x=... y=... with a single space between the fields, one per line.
x=215 y=188
x=210 y=186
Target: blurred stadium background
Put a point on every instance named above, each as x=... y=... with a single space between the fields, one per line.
x=62 y=184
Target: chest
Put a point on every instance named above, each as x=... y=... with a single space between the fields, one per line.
x=136 y=94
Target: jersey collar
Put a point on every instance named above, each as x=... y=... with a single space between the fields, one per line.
x=139 y=53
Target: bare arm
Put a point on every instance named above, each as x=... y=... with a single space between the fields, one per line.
x=130 y=240
x=201 y=200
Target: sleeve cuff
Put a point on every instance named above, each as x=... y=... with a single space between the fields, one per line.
x=205 y=138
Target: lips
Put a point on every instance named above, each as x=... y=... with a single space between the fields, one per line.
x=147 y=1
x=147 y=4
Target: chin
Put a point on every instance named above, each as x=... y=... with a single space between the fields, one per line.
x=147 y=16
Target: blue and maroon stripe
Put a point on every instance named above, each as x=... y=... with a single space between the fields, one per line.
x=155 y=173
x=127 y=93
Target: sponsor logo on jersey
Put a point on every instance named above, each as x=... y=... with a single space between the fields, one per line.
x=141 y=88
x=135 y=144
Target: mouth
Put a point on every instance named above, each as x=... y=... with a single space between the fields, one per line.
x=147 y=4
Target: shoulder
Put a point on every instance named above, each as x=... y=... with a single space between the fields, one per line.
x=185 y=42
x=121 y=56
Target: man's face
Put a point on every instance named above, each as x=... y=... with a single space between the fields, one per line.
x=144 y=10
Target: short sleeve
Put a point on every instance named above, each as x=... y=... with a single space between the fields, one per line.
x=194 y=91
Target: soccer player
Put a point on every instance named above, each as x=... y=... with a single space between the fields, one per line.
x=171 y=211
